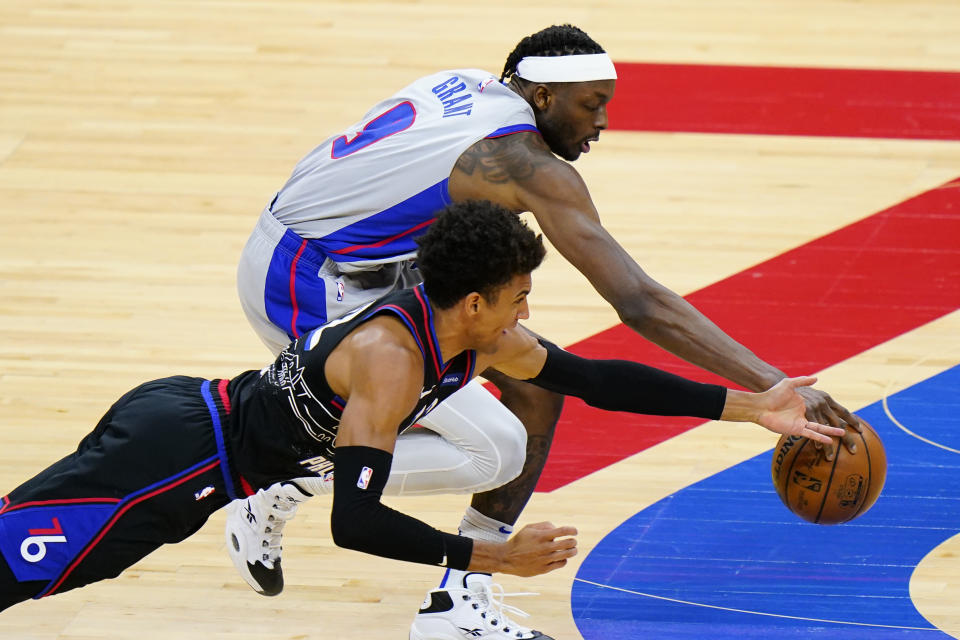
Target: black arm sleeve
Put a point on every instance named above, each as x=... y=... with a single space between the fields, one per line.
x=620 y=385
x=361 y=522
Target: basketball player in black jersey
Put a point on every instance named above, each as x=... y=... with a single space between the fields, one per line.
x=172 y=451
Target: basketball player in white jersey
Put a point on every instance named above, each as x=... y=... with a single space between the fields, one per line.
x=341 y=232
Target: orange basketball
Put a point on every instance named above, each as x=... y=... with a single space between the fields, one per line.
x=824 y=491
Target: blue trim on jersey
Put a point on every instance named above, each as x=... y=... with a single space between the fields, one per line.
x=295 y=261
x=389 y=233
x=472 y=360
x=407 y=320
x=218 y=435
x=514 y=128
x=432 y=335
x=311 y=340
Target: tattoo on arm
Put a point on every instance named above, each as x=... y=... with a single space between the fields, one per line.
x=513 y=158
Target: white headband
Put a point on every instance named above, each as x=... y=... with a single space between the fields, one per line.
x=575 y=68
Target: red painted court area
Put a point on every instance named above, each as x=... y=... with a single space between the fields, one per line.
x=787 y=101
x=819 y=303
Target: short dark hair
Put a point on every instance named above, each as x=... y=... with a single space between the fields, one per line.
x=558 y=40
x=475 y=246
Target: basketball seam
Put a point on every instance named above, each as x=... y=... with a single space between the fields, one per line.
x=786 y=492
x=826 y=488
x=866 y=492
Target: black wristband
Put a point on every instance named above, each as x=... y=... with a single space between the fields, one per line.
x=359 y=521
x=621 y=385
x=457 y=551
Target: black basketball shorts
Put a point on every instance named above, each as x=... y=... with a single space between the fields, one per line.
x=150 y=473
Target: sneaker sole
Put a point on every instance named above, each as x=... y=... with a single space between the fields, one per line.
x=264 y=581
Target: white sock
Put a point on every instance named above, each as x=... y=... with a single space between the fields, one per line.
x=313 y=486
x=479 y=527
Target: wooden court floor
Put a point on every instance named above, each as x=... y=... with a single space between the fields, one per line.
x=140 y=140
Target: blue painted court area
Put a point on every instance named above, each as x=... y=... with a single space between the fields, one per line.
x=725 y=559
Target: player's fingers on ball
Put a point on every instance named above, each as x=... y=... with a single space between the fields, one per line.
x=848 y=418
x=816 y=436
x=835 y=431
x=835 y=422
x=829 y=450
x=824 y=447
x=820 y=412
x=834 y=419
x=850 y=442
x=826 y=434
x=855 y=422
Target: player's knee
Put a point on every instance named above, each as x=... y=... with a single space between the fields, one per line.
x=509 y=439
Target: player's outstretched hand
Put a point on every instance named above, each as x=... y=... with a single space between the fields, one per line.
x=784 y=411
x=539 y=548
x=823 y=409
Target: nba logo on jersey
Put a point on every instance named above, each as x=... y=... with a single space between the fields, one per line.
x=339 y=291
x=483 y=85
x=364 y=480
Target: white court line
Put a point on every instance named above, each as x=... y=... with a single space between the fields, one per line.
x=886 y=410
x=886 y=407
x=756 y=613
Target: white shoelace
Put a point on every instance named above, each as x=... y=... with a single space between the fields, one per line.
x=271 y=532
x=491 y=598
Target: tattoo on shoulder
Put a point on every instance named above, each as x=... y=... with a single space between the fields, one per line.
x=513 y=158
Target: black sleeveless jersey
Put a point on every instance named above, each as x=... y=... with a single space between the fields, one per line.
x=284 y=419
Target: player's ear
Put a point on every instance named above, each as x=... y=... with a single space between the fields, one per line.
x=542 y=97
x=471 y=303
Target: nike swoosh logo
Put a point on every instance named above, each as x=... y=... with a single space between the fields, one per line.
x=506 y=530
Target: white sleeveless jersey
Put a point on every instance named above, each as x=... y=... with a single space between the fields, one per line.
x=363 y=196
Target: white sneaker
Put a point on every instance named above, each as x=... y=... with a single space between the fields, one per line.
x=477 y=613
x=253 y=533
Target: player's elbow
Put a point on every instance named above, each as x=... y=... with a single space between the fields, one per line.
x=638 y=312
x=644 y=305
